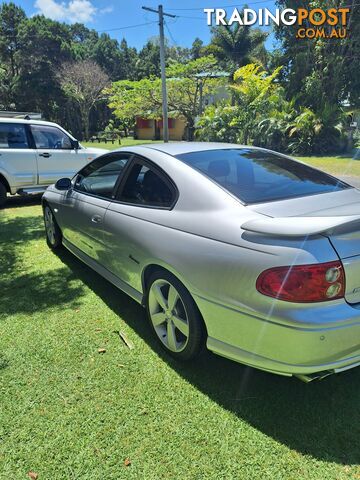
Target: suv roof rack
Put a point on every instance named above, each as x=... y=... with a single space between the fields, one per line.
x=24 y=115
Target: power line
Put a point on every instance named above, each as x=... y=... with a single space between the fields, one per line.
x=91 y=29
x=192 y=18
x=243 y=5
x=128 y=26
x=223 y=6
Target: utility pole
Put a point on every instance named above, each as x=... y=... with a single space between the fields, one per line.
x=161 y=14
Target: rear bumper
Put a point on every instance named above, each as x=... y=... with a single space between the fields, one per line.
x=287 y=348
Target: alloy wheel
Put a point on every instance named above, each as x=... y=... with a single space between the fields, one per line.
x=168 y=315
x=49 y=225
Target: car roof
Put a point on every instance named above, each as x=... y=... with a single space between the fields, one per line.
x=24 y=121
x=178 y=148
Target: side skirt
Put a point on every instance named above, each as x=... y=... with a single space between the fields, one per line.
x=137 y=296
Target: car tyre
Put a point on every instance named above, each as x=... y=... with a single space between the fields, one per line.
x=52 y=229
x=174 y=316
x=3 y=193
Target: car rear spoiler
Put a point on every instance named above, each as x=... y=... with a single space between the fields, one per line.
x=300 y=226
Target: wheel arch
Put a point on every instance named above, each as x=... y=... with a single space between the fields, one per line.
x=152 y=267
x=5 y=182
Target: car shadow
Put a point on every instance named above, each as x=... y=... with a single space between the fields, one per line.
x=35 y=291
x=320 y=419
x=18 y=201
x=15 y=232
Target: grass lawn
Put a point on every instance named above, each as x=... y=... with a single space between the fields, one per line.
x=343 y=166
x=125 y=142
x=70 y=412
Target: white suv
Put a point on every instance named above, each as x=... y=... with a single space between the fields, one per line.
x=34 y=154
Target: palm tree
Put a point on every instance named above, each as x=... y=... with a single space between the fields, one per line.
x=238 y=44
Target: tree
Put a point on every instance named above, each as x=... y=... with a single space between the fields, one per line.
x=45 y=45
x=321 y=70
x=187 y=85
x=255 y=96
x=318 y=133
x=128 y=59
x=262 y=116
x=11 y=17
x=84 y=83
x=148 y=61
x=197 y=49
x=234 y=45
x=117 y=60
x=255 y=92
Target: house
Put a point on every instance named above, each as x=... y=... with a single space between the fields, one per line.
x=151 y=129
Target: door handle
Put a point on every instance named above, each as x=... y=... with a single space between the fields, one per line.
x=96 y=219
x=45 y=155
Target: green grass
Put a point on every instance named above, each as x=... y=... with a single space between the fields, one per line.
x=334 y=165
x=343 y=166
x=69 y=412
x=125 y=142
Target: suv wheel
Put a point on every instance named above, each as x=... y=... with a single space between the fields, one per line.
x=3 y=193
x=174 y=316
x=53 y=232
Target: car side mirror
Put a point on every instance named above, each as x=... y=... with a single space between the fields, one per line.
x=75 y=144
x=63 y=184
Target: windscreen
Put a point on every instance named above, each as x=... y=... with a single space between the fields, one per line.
x=256 y=176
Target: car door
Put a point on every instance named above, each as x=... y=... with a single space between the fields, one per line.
x=17 y=158
x=146 y=196
x=56 y=155
x=83 y=207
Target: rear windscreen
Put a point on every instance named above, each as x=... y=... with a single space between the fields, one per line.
x=256 y=176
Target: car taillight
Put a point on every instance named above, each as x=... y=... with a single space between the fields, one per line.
x=304 y=283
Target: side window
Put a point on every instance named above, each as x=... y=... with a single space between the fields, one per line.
x=13 y=135
x=144 y=186
x=50 y=138
x=100 y=176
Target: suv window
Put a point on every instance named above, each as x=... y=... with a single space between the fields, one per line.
x=50 y=138
x=13 y=135
x=144 y=186
x=100 y=176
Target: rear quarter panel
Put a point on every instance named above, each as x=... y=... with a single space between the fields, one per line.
x=207 y=251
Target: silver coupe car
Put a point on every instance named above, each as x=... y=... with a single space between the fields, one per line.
x=243 y=249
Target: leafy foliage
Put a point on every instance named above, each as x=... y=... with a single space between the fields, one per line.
x=298 y=107
x=317 y=133
x=186 y=85
x=262 y=116
x=320 y=70
x=236 y=44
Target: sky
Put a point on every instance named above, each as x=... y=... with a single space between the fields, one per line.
x=112 y=15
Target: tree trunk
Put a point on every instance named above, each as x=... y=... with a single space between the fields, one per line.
x=190 y=129
x=85 y=116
